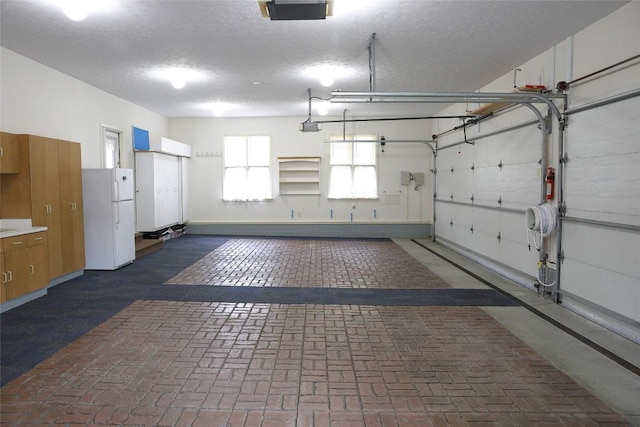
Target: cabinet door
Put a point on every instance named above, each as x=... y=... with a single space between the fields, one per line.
x=167 y=195
x=38 y=267
x=15 y=269
x=71 y=216
x=45 y=201
x=3 y=280
x=9 y=153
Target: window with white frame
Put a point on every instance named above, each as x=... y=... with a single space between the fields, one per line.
x=354 y=172
x=246 y=168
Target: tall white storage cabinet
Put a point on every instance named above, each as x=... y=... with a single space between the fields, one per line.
x=183 y=166
x=158 y=191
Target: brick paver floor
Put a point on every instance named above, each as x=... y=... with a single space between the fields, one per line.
x=310 y=263
x=220 y=364
x=213 y=364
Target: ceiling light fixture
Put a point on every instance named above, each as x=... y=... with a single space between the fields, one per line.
x=219 y=108
x=178 y=83
x=327 y=74
x=178 y=77
x=78 y=10
x=75 y=10
x=327 y=80
x=295 y=10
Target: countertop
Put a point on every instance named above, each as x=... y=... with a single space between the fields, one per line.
x=17 y=227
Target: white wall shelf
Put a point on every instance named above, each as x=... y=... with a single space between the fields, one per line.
x=299 y=175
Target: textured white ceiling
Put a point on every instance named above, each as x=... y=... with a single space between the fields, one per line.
x=420 y=46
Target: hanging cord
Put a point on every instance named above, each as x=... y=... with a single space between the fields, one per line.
x=464 y=131
x=541 y=221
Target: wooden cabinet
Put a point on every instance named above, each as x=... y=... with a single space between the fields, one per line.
x=56 y=200
x=14 y=267
x=71 y=211
x=45 y=199
x=3 y=277
x=299 y=175
x=37 y=261
x=25 y=265
x=48 y=190
x=9 y=153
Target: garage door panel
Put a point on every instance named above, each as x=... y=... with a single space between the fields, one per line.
x=510 y=250
x=605 y=188
x=517 y=146
x=516 y=185
x=604 y=131
x=606 y=288
x=605 y=248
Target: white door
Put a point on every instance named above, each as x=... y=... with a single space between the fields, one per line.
x=124 y=246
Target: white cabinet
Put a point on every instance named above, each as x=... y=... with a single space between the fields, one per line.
x=183 y=173
x=299 y=175
x=159 y=194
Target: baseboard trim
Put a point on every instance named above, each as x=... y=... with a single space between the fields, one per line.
x=308 y=229
x=16 y=302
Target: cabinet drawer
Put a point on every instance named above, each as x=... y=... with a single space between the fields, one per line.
x=15 y=242
x=35 y=239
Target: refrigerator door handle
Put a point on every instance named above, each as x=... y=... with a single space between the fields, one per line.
x=116 y=213
x=116 y=190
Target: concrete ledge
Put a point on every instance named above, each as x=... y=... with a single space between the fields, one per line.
x=408 y=230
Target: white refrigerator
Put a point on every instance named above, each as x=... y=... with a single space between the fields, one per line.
x=109 y=218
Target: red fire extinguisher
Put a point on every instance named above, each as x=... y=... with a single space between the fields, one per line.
x=551 y=176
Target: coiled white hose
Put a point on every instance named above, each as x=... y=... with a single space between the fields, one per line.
x=542 y=221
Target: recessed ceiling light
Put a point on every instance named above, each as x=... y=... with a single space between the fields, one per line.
x=75 y=10
x=178 y=83
x=328 y=74
x=219 y=108
x=78 y=10
x=327 y=80
x=345 y=7
x=177 y=76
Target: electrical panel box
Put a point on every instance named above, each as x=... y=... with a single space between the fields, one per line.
x=418 y=178
x=405 y=178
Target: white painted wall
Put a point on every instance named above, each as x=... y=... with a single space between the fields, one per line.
x=206 y=173
x=39 y=100
x=602 y=177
